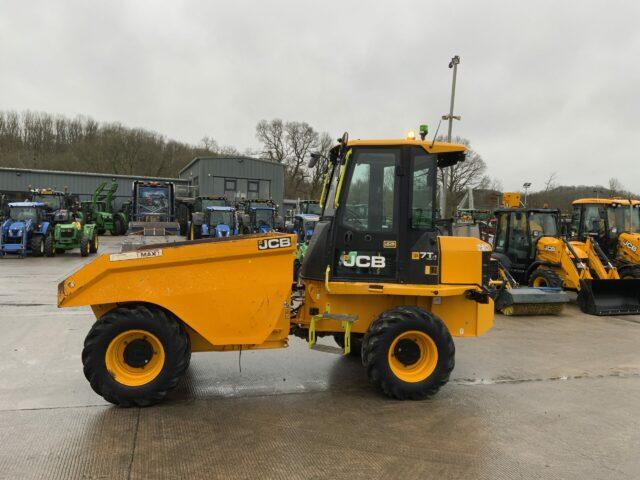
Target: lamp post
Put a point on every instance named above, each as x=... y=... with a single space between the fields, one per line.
x=526 y=187
x=455 y=61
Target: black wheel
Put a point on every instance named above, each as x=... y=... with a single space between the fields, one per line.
x=93 y=245
x=37 y=246
x=85 y=246
x=49 y=248
x=629 y=272
x=356 y=343
x=544 y=277
x=118 y=227
x=134 y=355
x=408 y=353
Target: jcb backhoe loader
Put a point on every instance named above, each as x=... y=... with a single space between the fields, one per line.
x=378 y=278
x=529 y=244
x=615 y=224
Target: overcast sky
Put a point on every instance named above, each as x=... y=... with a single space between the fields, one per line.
x=542 y=87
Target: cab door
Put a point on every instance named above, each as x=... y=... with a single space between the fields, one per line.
x=419 y=242
x=366 y=234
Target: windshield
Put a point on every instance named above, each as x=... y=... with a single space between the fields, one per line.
x=219 y=202
x=51 y=202
x=220 y=218
x=153 y=201
x=264 y=217
x=22 y=214
x=543 y=225
x=624 y=219
x=312 y=208
x=309 y=225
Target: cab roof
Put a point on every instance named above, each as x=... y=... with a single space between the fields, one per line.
x=26 y=204
x=308 y=216
x=220 y=208
x=527 y=210
x=448 y=153
x=429 y=146
x=604 y=201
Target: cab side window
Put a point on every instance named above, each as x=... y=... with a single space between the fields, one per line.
x=501 y=234
x=575 y=221
x=593 y=223
x=370 y=199
x=518 y=238
x=422 y=191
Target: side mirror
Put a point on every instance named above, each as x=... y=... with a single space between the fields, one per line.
x=315 y=157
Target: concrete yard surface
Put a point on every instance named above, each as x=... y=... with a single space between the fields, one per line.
x=536 y=397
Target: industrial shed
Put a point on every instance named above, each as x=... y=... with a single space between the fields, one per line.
x=16 y=182
x=235 y=177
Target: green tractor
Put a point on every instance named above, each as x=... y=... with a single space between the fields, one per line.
x=99 y=211
x=71 y=232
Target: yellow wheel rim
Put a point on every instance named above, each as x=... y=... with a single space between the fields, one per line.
x=96 y=242
x=413 y=356
x=192 y=235
x=135 y=358
x=539 y=282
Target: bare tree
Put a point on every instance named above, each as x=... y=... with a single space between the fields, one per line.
x=42 y=140
x=464 y=175
x=615 y=186
x=550 y=183
x=272 y=136
x=302 y=139
x=325 y=143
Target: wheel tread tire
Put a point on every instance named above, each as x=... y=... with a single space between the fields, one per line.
x=378 y=339
x=84 y=246
x=163 y=324
x=36 y=244
x=632 y=271
x=550 y=276
x=49 y=246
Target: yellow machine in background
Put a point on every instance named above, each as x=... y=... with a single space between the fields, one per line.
x=376 y=277
x=510 y=200
x=528 y=242
x=614 y=223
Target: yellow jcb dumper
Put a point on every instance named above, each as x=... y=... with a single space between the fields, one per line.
x=376 y=276
x=615 y=224
x=529 y=244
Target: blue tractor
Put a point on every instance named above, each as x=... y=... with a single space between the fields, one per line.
x=26 y=229
x=215 y=221
x=260 y=216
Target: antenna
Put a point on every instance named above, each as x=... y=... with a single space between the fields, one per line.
x=436 y=134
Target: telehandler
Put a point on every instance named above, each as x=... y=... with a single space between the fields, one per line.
x=379 y=278
x=615 y=224
x=529 y=244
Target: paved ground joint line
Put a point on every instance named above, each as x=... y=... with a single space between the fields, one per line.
x=135 y=442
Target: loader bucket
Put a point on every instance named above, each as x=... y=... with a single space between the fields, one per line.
x=609 y=297
x=531 y=301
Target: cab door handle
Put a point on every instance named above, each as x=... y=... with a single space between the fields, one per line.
x=348 y=236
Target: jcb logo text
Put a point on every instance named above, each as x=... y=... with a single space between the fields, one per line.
x=269 y=243
x=364 y=261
